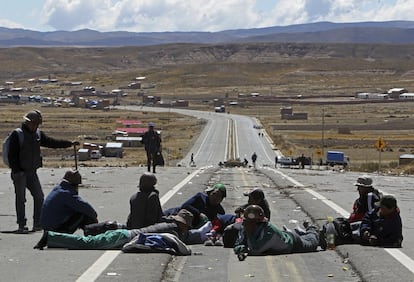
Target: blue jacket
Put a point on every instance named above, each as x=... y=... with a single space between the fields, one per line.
x=388 y=230
x=62 y=203
x=199 y=204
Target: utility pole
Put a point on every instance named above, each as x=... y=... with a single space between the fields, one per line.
x=323 y=130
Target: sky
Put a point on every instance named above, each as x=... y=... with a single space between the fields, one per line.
x=192 y=15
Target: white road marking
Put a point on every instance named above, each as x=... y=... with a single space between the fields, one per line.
x=396 y=253
x=93 y=272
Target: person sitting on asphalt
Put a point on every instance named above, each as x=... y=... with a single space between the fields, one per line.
x=204 y=206
x=260 y=237
x=256 y=197
x=368 y=197
x=383 y=226
x=64 y=210
x=178 y=225
x=145 y=206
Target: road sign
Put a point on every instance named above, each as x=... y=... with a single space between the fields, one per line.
x=380 y=144
x=319 y=152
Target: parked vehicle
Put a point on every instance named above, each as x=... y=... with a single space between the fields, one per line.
x=336 y=158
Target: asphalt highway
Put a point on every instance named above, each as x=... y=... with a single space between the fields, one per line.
x=294 y=195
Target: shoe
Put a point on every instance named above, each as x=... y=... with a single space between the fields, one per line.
x=22 y=230
x=300 y=231
x=42 y=242
x=219 y=242
x=209 y=242
x=322 y=240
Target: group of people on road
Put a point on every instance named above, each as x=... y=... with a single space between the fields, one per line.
x=200 y=219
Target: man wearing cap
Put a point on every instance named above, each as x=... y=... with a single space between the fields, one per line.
x=24 y=160
x=204 y=206
x=368 y=197
x=260 y=237
x=152 y=143
x=64 y=210
x=178 y=225
x=383 y=226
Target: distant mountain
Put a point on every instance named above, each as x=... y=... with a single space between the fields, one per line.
x=391 y=32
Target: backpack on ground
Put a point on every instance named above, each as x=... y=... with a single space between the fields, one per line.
x=343 y=230
x=6 y=145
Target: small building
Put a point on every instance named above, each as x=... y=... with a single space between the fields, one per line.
x=406 y=159
x=84 y=154
x=128 y=141
x=396 y=92
x=407 y=96
x=132 y=131
x=114 y=149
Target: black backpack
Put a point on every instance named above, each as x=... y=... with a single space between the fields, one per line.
x=343 y=231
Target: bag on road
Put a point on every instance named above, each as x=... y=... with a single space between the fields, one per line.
x=159 y=159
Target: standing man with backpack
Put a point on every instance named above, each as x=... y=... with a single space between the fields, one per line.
x=24 y=159
x=152 y=142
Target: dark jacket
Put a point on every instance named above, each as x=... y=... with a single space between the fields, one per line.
x=199 y=204
x=62 y=203
x=364 y=204
x=27 y=157
x=388 y=230
x=145 y=209
x=151 y=141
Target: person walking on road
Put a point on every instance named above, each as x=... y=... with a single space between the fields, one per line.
x=24 y=159
x=145 y=206
x=254 y=158
x=152 y=142
x=64 y=210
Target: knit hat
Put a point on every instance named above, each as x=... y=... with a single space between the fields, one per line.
x=220 y=187
x=184 y=216
x=73 y=177
x=151 y=124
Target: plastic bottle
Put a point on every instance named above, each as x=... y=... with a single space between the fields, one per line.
x=330 y=234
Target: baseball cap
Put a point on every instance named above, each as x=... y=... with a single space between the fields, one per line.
x=256 y=194
x=34 y=116
x=218 y=186
x=73 y=177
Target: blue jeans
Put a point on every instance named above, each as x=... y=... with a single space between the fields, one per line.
x=29 y=180
x=307 y=242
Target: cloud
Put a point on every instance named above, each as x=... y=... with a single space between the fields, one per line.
x=10 y=24
x=213 y=15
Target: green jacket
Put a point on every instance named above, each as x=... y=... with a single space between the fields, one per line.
x=267 y=239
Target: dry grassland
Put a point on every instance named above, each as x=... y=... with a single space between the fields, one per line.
x=93 y=126
x=202 y=73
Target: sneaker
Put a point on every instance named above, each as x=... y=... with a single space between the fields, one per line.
x=322 y=240
x=219 y=242
x=209 y=242
x=22 y=230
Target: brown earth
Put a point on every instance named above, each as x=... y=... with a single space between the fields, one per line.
x=330 y=74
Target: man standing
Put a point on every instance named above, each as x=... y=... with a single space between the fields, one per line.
x=254 y=158
x=152 y=142
x=24 y=160
x=64 y=210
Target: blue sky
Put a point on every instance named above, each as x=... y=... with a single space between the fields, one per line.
x=192 y=15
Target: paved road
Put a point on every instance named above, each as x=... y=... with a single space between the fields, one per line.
x=294 y=195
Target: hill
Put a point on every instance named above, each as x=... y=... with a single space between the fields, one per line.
x=391 y=32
